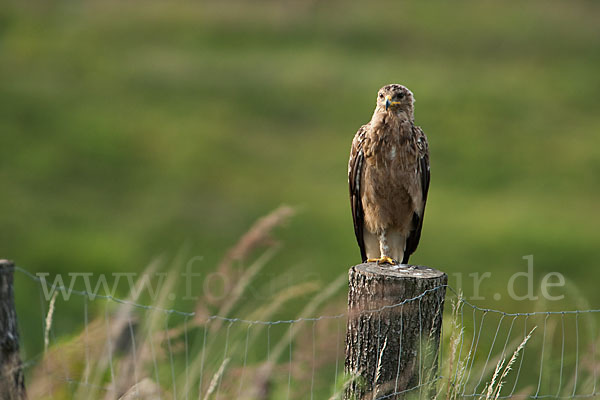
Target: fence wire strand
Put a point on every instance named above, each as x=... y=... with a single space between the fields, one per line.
x=185 y=352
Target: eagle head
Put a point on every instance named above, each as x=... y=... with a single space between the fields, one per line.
x=396 y=99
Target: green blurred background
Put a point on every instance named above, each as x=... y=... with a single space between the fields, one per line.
x=132 y=129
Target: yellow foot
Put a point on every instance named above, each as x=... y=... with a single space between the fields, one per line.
x=387 y=260
x=383 y=260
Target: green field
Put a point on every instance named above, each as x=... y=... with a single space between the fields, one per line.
x=132 y=130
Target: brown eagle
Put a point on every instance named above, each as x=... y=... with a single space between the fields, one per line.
x=388 y=174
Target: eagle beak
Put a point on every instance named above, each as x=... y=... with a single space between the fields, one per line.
x=388 y=102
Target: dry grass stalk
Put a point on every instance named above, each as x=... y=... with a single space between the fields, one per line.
x=490 y=386
x=265 y=373
x=68 y=358
x=310 y=309
x=216 y=378
x=338 y=394
x=146 y=389
x=453 y=364
x=378 y=370
x=48 y=321
x=258 y=235
x=495 y=385
x=283 y=296
x=133 y=365
x=242 y=284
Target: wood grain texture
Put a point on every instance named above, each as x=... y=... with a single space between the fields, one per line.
x=392 y=342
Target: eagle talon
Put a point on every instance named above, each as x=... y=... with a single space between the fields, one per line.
x=387 y=260
x=383 y=260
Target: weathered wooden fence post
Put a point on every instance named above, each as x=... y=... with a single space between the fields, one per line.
x=12 y=383
x=393 y=333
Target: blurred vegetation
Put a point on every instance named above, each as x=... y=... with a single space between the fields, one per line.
x=132 y=129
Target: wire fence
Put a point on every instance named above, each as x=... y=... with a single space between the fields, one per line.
x=122 y=348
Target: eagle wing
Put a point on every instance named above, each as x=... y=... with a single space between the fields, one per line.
x=423 y=176
x=355 y=170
